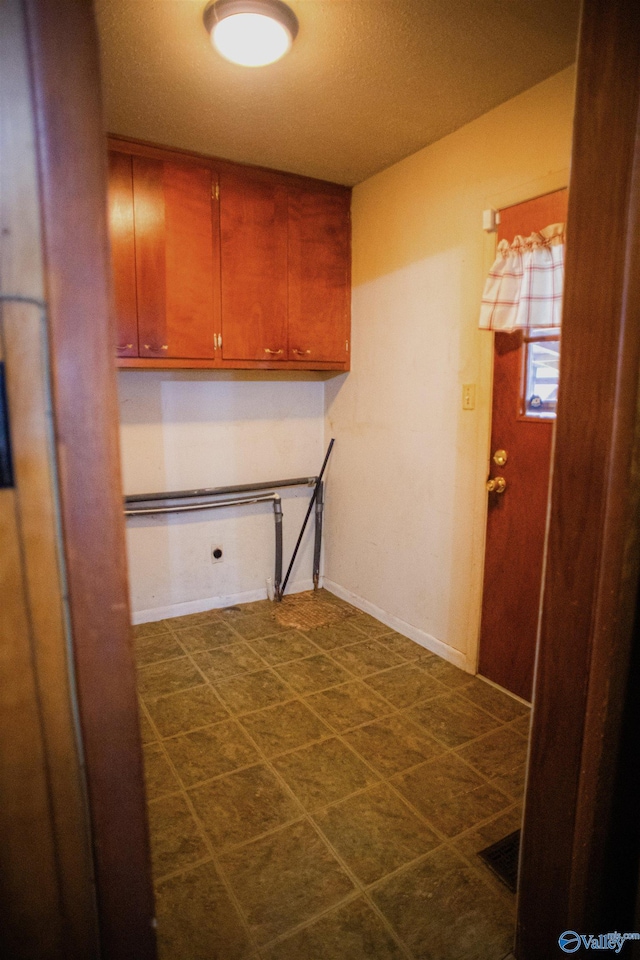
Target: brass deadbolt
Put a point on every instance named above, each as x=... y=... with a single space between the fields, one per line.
x=500 y=457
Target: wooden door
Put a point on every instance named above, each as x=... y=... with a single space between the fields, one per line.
x=176 y=262
x=516 y=519
x=123 y=252
x=48 y=905
x=253 y=251
x=65 y=143
x=319 y=274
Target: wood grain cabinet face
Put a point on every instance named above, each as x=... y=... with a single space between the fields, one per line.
x=253 y=266
x=123 y=257
x=175 y=258
x=220 y=265
x=319 y=275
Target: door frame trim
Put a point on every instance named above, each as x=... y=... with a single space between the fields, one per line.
x=70 y=145
x=581 y=843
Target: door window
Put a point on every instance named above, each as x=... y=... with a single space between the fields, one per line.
x=541 y=373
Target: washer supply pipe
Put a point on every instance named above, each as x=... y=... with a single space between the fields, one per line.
x=234 y=502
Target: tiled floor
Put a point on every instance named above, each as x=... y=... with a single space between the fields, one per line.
x=322 y=795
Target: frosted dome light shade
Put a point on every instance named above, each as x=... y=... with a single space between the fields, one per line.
x=251 y=39
x=251 y=32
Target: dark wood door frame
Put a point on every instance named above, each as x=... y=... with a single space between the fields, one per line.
x=72 y=158
x=580 y=790
x=579 y=862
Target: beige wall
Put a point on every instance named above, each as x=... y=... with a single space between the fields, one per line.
x=181 y=430
x=406 y=501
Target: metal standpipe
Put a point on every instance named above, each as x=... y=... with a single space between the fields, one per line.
x=317 y=543
x=277 y=516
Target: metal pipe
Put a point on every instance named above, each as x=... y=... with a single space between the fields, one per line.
x=277 y=516
x=317 y=544
x=219 y=491
x=209 y=505
x=237 y=502
x=308 y=514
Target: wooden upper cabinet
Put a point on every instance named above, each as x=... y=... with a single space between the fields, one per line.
x=220 y=265
x=253 y=265
x=319 y=274
x=175 y=258
x=123 y=253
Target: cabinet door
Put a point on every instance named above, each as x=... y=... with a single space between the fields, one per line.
x=175 y=258
x=123 y=254
x=319 y=274
x=253 y=252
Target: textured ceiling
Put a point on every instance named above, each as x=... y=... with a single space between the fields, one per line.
x=366 y=83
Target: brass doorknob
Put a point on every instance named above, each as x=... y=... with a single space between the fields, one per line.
x=496 y=485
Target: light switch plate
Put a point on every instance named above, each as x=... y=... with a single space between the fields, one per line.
x=468 y=396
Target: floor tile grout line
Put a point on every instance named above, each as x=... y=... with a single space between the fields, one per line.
x=393 y=710
x=345 y=867
x=234 y=643
x=362 y=679
x=381 y=774
x=305 y=816
x=339 y=733
x=172 y=874
x=230 y=892
x=447 y=746
x=213 y=684
x=493 y=716
x=309 y=814
x=490 y=780
x=451 y=848
x=381 y=777
x=142 y=708
x=481 y=823
x=502 y=720
x=303 y=925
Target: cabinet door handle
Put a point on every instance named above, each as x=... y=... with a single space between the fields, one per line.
x=302 y=353
x=149 y=346
x=274 y=352
x=125 y=346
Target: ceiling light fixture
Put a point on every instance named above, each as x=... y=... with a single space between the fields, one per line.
x=251 y=32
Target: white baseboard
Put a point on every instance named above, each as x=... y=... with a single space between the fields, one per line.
x=425 y=640
x=210 y=603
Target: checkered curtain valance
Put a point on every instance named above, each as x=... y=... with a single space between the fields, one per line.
x=524 y=286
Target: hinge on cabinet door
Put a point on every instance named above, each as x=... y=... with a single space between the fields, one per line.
x=346 y=345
